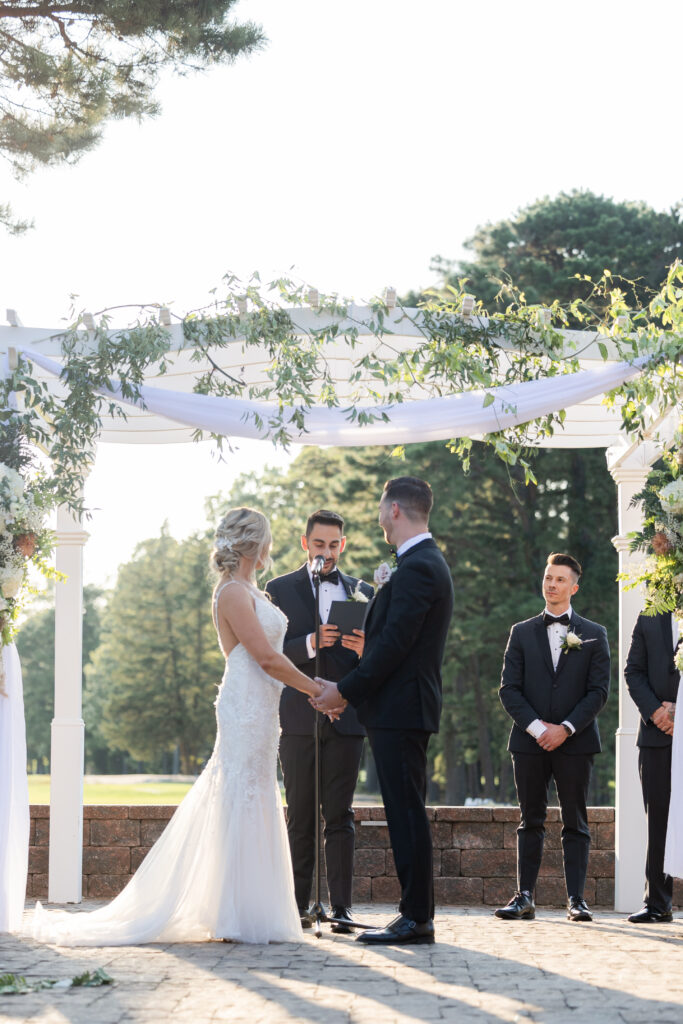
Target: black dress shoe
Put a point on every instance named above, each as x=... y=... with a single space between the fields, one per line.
x=520 y=908
x=648 y=915
x=305 y=918
x=399 y=932
x=342 y=920
x=577 y=909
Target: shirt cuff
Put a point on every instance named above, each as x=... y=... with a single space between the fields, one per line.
x=536 y=728
x=309 y=646
x=569 y=726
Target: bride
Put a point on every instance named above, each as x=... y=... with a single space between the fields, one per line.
x=222 y=868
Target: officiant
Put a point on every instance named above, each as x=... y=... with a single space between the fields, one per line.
x=341 y=742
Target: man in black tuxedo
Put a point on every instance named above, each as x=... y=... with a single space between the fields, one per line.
x=652 y=680
x=397 y=691
x=341 y=741
x=555 y=681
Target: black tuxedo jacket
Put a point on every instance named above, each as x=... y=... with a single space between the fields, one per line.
x=576 y=692
x=397 y=684
x=293 y=594
x=651 y=675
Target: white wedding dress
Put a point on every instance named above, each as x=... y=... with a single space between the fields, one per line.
x=222 y=868
x=673 y=856
x=14 y=812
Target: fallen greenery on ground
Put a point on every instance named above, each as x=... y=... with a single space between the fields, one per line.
x=17 y=985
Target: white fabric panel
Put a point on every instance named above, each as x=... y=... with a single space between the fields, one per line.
x=14 y=812
x=431 y=419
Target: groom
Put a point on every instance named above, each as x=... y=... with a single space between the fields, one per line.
x=397 y=690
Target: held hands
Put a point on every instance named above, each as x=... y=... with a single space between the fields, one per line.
x=329 y=701
x=553 y=737
x=663 y=717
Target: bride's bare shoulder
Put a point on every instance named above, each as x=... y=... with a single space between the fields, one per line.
x=234 y=594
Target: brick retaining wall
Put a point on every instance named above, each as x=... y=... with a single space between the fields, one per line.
x=474 y=853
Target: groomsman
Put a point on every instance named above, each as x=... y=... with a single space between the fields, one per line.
x=555 y=681
x=341 y=742
x=652 y=681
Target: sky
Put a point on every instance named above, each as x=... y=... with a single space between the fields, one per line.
x=361 y=141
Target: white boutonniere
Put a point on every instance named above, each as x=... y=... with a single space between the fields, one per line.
x=358 y=595
x=573 y=642
x=383 y=574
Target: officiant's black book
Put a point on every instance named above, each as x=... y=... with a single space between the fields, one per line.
x=347 y=615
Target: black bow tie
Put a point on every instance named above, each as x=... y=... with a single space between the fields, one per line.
x=332 y=577
x=550 y=620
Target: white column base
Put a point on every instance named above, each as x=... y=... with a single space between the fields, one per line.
x=630 y=834
x=66 y=811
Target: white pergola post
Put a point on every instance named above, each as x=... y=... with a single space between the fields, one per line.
x=66 y=784
x=629 y=469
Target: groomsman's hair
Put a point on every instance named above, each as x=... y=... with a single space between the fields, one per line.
x=326 y=518
x=558 y=559
x=412 y=494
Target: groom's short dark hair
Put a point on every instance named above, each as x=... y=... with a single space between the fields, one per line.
x=556 y=558
x=326 y=518
x=412 y=494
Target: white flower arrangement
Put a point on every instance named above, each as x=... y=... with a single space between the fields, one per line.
x=383 y=574
x=23 y=541
x=358 y=595
x=671 y=497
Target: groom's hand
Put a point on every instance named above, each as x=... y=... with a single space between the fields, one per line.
x=329 y=699
x=553 y=737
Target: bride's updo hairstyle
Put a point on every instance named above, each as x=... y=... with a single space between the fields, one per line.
x=241 y=533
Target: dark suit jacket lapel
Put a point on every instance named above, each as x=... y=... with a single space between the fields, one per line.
x=574 y=627
x=305 y=590
x=668 y=637
x=543 y=644
x=346 y=583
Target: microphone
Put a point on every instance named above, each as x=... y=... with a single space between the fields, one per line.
x=317 y=565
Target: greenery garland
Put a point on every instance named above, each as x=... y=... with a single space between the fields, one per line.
x=453 y=353
x=24 y=538
x=661 y=537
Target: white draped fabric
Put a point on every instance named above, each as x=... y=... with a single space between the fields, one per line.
x=430 y=419
x=14 y=812
x=673 y=857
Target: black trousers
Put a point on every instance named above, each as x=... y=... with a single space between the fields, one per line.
x=339 y=764
x=654 y=764
x=572 y=773
x=401 y=761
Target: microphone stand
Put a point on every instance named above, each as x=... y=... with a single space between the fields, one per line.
x=317 y=910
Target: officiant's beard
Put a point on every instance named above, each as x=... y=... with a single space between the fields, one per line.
x=330 y=563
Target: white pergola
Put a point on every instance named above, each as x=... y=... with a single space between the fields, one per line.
x=587 y=424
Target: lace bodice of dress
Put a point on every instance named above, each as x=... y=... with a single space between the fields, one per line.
x=247 y=705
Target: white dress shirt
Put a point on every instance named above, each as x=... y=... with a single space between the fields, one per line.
x=329 y=592
x=557 y=634
x=411 y=542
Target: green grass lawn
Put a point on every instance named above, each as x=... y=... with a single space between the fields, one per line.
x=127 y=793
x=106 y=793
